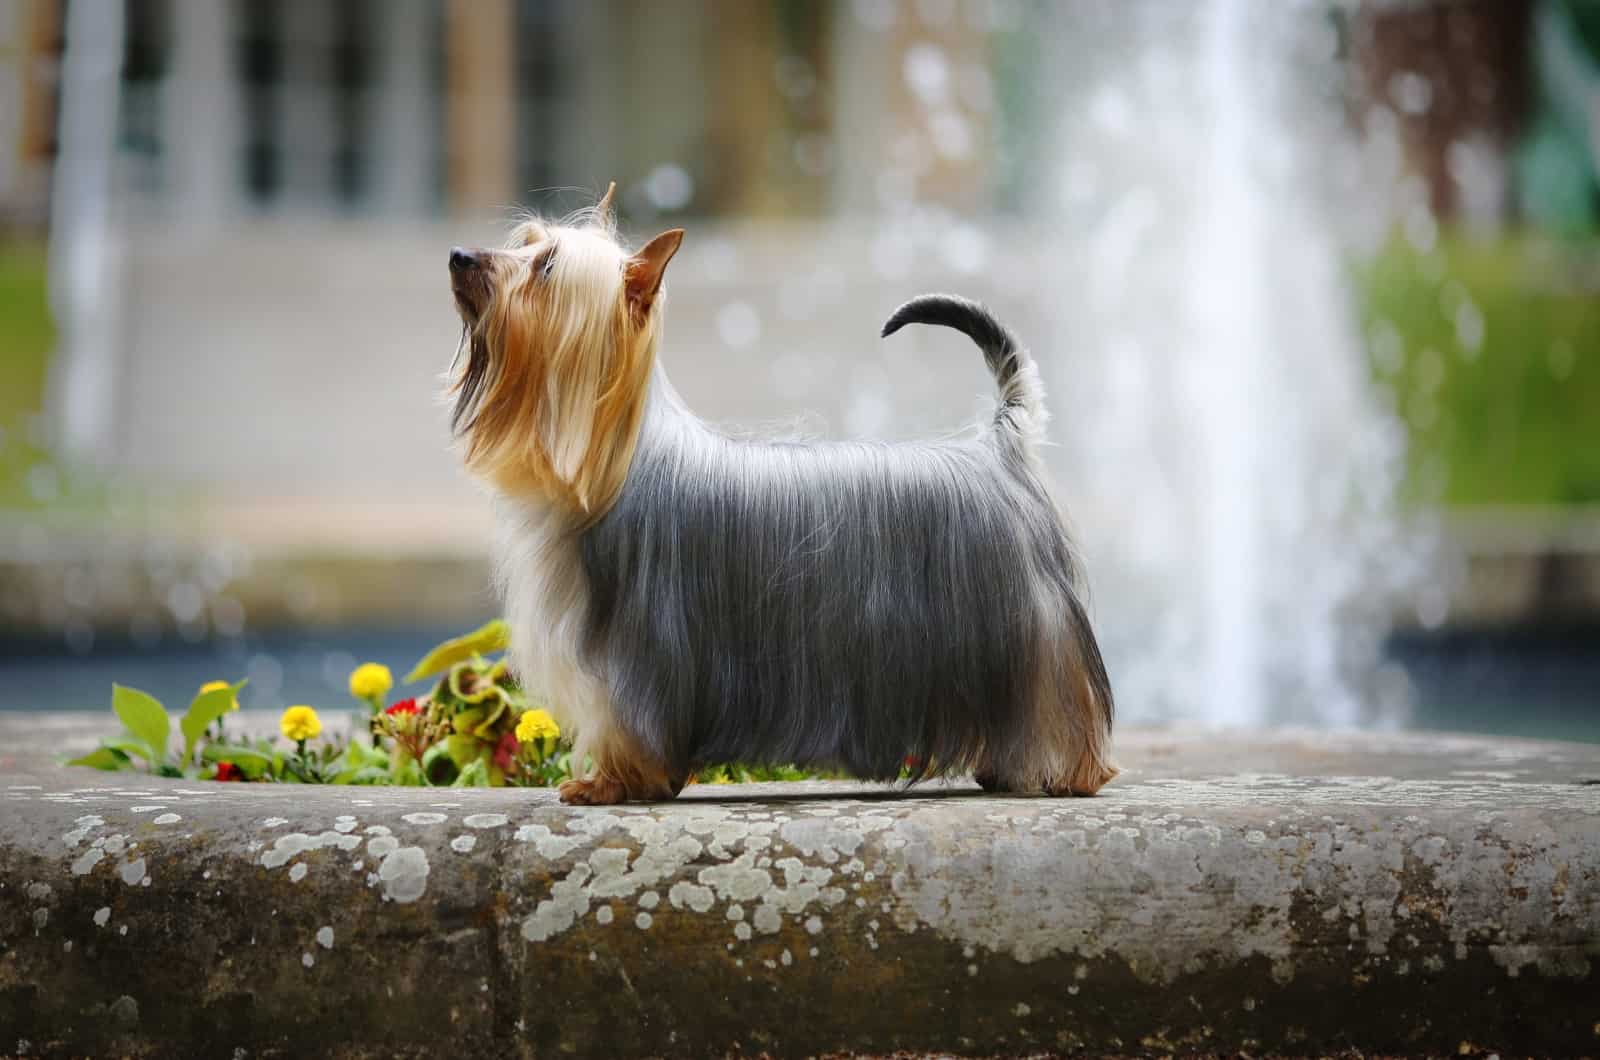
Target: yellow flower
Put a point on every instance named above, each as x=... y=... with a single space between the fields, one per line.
x=212 y=686
x=536 y=725
x=370 y=681
x=300 y=723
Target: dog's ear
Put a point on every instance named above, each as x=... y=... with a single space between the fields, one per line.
x=645 y=269
x=603 y=209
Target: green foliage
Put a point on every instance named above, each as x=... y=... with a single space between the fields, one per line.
x=491 y=637
x=464 y=734
x=548 y=771
x=742 y=774
x=206 y=708
x=256 y=763
x=1490 y=349
x=25 y=323
x=107 y=758
x=437 y=766
x=144 y=717
x=130 y=749
x=26 y=338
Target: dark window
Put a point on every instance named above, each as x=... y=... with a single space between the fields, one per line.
x=261 y=74
x=147 y=46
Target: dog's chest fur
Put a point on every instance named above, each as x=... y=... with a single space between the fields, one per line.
x=539 y=576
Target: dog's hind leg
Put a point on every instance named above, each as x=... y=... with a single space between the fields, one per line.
x=1063 y=743
x=1089 y=773
x=1080 y=763
x=1058 y=765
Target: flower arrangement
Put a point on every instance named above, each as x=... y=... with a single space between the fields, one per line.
x=477 y=727
x=464 y=732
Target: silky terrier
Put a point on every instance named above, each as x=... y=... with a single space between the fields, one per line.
x=683 y=597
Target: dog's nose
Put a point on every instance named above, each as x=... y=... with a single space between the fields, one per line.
x=462 y=259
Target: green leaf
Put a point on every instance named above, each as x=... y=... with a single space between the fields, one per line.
x=133 y=748
x=206 y=708
x=464 y=749
x=253 y=764
x=107 y=758
x=437 y=766
x=252 y=768
x=486 y=731
x=223 y=752
x=475 y=775
x=144 y=716
x=408 y=773
x=364 y=775
x=491 y=636
x=357 y=755
x=463 y=670
x=485 y=678
x=465 y=721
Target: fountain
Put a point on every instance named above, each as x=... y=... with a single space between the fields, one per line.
x=1233 y=474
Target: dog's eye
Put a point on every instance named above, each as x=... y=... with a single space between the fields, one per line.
x=544 y=263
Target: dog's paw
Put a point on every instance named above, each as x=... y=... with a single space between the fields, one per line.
x=596 y=791
x=1089 y=778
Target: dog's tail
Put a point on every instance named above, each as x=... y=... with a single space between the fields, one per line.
x=1021 y=414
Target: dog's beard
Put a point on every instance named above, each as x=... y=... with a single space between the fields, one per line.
x=471 y=377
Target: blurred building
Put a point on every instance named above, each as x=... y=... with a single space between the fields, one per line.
x=278 y=139
x=30 y=49
x=1494 y=101
x=411 y=107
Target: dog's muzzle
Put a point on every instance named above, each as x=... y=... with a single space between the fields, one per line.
x=467 y=280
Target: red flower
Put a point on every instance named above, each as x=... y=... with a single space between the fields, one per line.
x=505 y=753
x=405 y=706
x=228 y=771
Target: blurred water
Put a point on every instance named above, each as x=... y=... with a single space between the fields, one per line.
x=1227 y=261
x=1237 y=476
x=1541 y=683
x=1533 y=684
x=283 y=667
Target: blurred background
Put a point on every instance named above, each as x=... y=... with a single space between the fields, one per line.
x=1315 y=288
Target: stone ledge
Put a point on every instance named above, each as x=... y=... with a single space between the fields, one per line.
x=1274 y=893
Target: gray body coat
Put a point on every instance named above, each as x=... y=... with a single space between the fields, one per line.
x=849 y=604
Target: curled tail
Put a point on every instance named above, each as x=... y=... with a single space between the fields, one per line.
x=1021 y=415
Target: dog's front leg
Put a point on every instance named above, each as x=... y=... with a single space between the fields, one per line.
x=623 y=772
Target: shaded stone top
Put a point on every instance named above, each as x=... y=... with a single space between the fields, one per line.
x=1289 y=892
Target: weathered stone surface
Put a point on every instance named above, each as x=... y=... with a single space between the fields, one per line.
x=1290 y=893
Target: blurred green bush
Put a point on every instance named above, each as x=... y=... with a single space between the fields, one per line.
x=26 y=338
x=25 y=325
x=1489 y=349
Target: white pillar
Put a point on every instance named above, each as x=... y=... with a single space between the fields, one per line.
x=200 y=114
x=402 y=133
x=83 y=289
x=307 y=131
x=588 y=132
x=864 y=53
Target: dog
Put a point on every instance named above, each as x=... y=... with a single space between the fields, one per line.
x=684 y=597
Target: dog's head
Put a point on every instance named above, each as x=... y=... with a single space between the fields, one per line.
x=560 y=333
